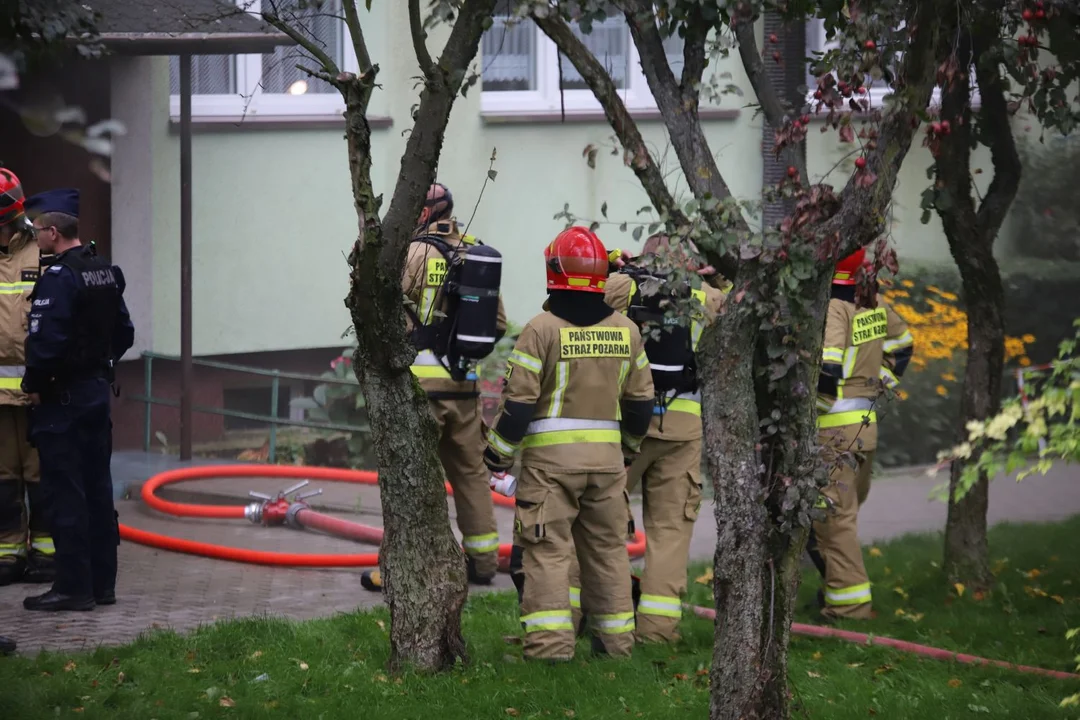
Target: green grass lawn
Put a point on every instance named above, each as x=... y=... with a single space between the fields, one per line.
x=335 y=668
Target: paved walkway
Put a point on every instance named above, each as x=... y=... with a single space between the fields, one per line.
x=159 y=589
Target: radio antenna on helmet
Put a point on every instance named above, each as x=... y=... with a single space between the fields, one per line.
x=491 y=173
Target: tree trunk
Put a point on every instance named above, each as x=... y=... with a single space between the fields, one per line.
x=971 y=236
x=424 y=577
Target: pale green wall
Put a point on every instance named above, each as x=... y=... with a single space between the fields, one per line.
x=273 y=214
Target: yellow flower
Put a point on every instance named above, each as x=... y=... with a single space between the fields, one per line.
x=1025 y=361
x=902 y=394
x=942 y=391
x=1029 y=338
x=948 y=296
x=948 y=377
x=907 y=283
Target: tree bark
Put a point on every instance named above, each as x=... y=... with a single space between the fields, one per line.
x=423 y=565
x=971 y=236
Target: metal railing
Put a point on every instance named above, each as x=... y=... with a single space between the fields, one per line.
x=274 y=419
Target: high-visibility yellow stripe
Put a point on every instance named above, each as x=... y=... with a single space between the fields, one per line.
x=624 y=372
x=567 y=437
x=500 y=444
x=43 y=545
x=642 y=361
x=526 y=361
x=613 y=624
x=888 y=378
x=548 y=620
x=12 y=549
x=687 y=406
x=575 y=597
x=10 y=383
x=903 y=341
x=430 y=371
x=852 y=595
x=562 y=379
x=16 y=288
x=832 y=355
x=852 y=417
x=661 y=605
x=479 y=544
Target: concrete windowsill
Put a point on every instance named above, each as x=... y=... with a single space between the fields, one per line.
x=590 y=116
x=253 y=123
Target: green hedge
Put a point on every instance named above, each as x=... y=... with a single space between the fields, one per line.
x=1041 y=300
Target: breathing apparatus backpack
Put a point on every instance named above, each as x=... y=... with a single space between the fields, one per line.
x=668 y=338
x=470 y=284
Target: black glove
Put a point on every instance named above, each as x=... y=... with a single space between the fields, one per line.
x=495 y=463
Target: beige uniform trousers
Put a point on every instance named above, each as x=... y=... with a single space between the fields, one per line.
x=557 y=514
x=847 y=586
x=669 y=474
x=461 y=448
x=23 y=529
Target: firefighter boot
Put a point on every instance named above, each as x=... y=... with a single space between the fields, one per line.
x=7 y=645
x=12 y=571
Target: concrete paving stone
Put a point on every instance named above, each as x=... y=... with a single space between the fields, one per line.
x=166 y=590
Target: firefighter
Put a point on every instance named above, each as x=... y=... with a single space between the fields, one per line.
x=867 y=348
x=7 y=645
x=435 y=322
x=577 y=401
x=26 y=547
x=668 y=470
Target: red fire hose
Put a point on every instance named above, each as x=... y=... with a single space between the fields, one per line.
x=816 y=631
x=310 y=518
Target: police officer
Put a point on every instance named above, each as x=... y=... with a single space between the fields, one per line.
x=867 y=347
x=577 y=402
x=26 y=547
x=668 y=469
x=79 y=328
x=453 y=394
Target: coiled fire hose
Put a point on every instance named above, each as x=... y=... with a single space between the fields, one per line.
x=295 y=512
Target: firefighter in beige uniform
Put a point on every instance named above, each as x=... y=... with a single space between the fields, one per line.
x=577 y=402
x=26 y=547
x=453 y=393
x=865 y=349
x=669 y=466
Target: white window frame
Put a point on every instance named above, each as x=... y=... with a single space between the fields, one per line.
x=546 y=98
x=878 y=91
x=250 y=100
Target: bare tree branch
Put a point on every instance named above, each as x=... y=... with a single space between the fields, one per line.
x=303 y=41
x=599 y=81
x=356 y=32
x=697 y=33
x=862 y=215
x=426 y=139
x=419 y=38
x=772 y=105
x=997 y=128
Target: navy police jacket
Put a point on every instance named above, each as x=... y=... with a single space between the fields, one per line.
x=79 y=325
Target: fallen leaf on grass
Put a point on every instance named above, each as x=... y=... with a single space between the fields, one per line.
x=1032 y=574
x=705 y=578
x=916 y=617
x=817 y=655
x=882 y=669
x=78 y=709
x=70 y=666
x=680 y=676
x=1058 y=599
x=978 y=596
x=811 y=673
x=303 y=665
x=513 y=712
x=380 y=678
x=874 y=552
x=854 y=665
x=120 y=678
x=381 y=624
x=227 y=702
x=256 y=655
x=888 y=571
x=959 y=589
x=194 y=670
x=955 y=682
x=899 y=612
x=569 y=713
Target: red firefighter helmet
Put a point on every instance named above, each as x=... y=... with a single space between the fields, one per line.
x=846 y=268
x=576 y=260
x=11 y=197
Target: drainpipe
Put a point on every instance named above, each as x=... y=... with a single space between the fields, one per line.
x=186 y=370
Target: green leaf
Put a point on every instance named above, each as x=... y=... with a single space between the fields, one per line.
x=492 y=174
x=637 y=232
x=603 y=209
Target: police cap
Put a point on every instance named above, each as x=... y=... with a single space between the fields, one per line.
x=62 y=200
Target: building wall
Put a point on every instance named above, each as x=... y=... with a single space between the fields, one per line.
x=273 y=214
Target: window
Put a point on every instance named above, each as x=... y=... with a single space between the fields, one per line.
x=877 y=90
x=269 y=84
x=520 y=67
